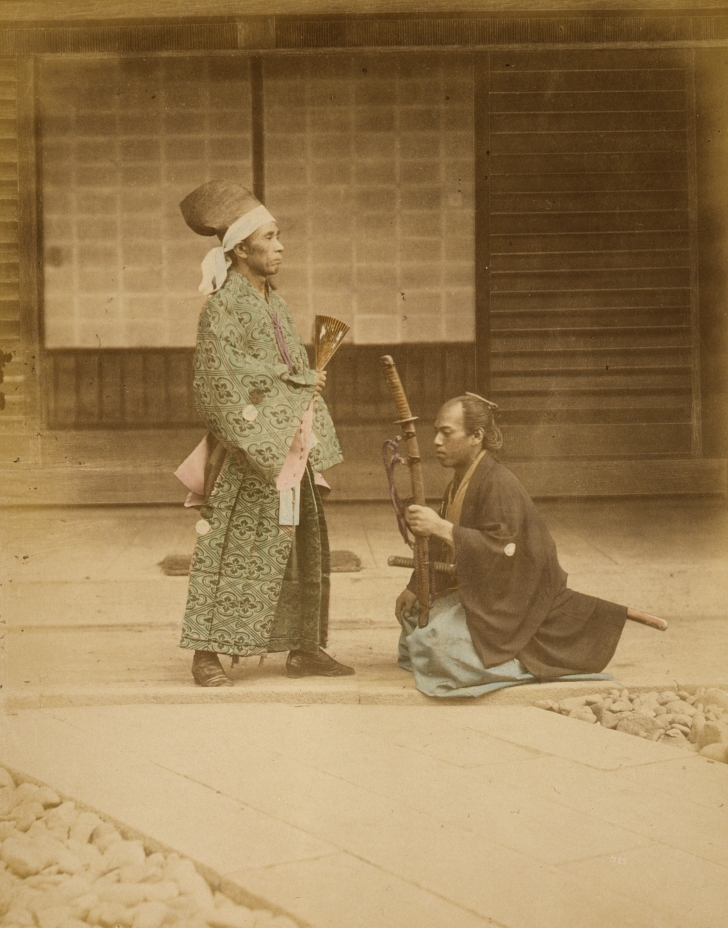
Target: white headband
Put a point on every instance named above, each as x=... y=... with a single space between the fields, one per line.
x=217 y=263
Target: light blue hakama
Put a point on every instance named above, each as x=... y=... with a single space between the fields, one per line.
x=445 y=663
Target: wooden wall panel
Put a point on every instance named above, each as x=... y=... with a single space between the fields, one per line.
x=586 y=278
x=591 y=270
x=122 y=140
x=150 y=388
x=13 y=371
x=111 y=28
x=711 y=106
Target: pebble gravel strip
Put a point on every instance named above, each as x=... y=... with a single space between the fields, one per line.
x=698 y=721
x=62 y=867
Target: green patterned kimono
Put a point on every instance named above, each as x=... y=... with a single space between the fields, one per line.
x=255 y=585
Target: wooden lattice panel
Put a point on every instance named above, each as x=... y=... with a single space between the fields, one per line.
x=591 y=270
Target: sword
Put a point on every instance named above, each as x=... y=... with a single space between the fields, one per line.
x=450 y=570
x=407 y=422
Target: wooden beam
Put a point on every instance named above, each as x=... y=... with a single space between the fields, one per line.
x=257 y=113
x=481 y=103
x=29 y=253
x=690 y=107
x=22 y=485
x=95 y=27
x=28 y=11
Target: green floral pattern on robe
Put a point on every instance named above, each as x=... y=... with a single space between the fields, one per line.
x=247 y=595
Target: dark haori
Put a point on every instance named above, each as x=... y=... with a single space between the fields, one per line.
x=497 y=608
x=259 y=579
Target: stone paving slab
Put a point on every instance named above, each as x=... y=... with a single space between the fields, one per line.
x=645 y=809
x=704 y=784
x=111 y=665
x=672 y=880
x=360 y=802
x=343 y=891
x=92 y=619
x=385 y=688
x=375 y=693
x=348 y=816
x=592 y=745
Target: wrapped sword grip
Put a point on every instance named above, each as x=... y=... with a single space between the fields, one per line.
x=396 y=388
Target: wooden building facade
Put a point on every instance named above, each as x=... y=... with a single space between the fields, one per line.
x=532 y=207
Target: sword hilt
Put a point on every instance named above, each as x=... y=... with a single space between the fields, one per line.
x=396 y=388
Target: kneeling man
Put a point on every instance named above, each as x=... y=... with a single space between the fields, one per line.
x=506 y=616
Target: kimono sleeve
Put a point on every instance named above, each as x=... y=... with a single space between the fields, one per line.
x=501 y=562
x=244 y=392
x=325 y=449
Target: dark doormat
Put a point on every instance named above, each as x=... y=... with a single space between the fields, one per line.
x=345 y=562
x=176 y=565
x=342 y=562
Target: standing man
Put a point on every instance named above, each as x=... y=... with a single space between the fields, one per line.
x=506 y=616
x=259 y=579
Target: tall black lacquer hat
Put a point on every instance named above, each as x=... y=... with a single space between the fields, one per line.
x=212 y=208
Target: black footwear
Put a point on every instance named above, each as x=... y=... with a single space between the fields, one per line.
x=315 y=664
x=207 y=670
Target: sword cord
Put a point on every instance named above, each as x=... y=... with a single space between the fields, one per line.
x=391 y=457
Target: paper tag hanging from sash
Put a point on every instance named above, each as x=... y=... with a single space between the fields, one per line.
x=289 y=512
x=294 y=467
